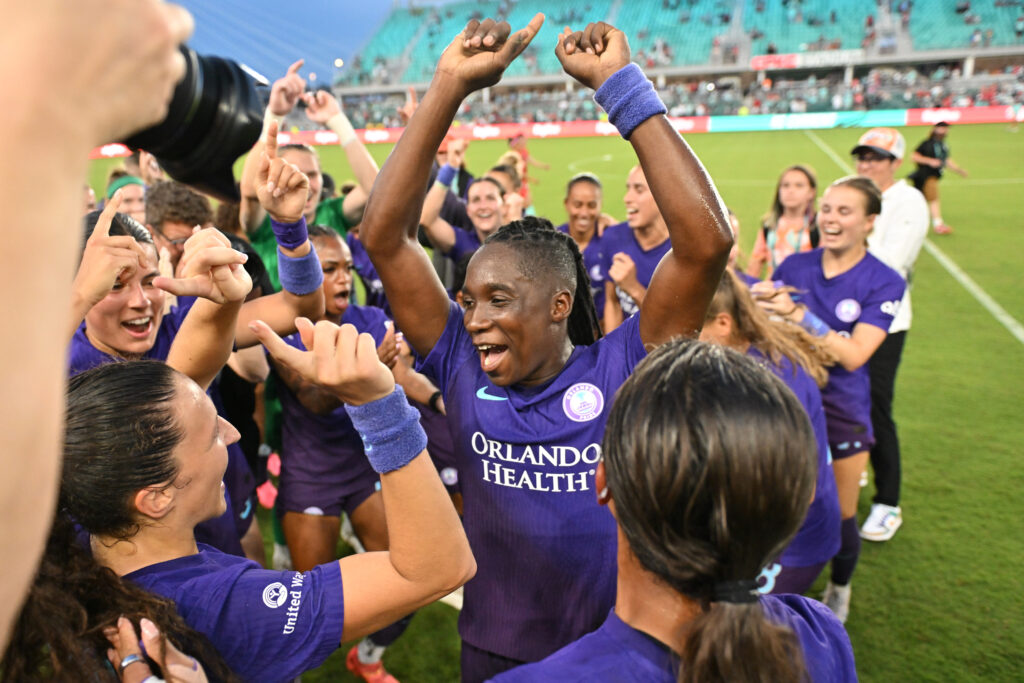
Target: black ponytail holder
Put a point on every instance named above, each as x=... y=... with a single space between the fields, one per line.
x=735 y=591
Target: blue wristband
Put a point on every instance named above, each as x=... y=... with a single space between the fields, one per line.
x=390 y=429
x=446 y=174
x=814 y=325
x=290 y=235
x=629 y=98
x=300 y=275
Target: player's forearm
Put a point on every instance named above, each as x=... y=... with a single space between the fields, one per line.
x=205 y=340
x=363 y=165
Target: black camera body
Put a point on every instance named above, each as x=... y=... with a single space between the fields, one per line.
x=215 y=116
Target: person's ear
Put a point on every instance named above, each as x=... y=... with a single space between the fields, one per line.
x=154 y=502
x=601 y=484
x=561 y=305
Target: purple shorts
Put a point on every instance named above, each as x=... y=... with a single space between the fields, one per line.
x=313 y=489
x=848 y=437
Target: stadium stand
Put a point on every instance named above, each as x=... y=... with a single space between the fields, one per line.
x=937 y=24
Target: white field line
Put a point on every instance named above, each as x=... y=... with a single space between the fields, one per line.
x=1011 y=324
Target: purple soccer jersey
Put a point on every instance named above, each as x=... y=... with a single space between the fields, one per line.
x=221 y=532
x=870 y=293
x=267 y=625
x=545 y=549
x=818 y=538
x=593 y=261
x=322 y=460
x=367 y=274
x=619 y=652
x=466 y=242
x=619 y=238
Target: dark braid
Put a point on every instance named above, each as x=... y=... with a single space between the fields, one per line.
x=532 y=237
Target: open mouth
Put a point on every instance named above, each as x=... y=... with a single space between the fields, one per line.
x=832 y=231
x=490 y=355
x=342 y=298
x=139 y=327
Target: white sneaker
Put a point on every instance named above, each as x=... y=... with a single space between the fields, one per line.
x=837 y=599
x=882 y=523
x=281 y=560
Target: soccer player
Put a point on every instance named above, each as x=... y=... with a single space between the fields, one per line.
x=789 y=225
x=699 y=513
x=932 y=157
x=340 y=213
x=848 y=299
x=144 y=466
x=896 y=240
x=735 y=320
x=525 y=382
x=583 y=200
x=323 y=467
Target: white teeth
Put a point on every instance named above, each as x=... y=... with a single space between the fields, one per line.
x=485 y=347
x=139 y=321
x=630 y=212
x=831 y=232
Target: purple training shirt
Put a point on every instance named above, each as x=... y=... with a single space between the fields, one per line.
x=620 y=238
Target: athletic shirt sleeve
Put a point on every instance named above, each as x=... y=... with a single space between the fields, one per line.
x=268 y=625
x=828 y=655
x=880 y=305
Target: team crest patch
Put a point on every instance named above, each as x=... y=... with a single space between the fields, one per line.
x=582 y=402
x=848 y=310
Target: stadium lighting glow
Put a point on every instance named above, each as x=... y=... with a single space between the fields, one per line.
x=338 y=63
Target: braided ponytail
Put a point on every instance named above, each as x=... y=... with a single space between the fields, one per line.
x=534 y=237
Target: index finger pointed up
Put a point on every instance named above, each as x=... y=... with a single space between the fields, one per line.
x=271 y=142
x=515 y=45
x=294 y=68
x=106 y=217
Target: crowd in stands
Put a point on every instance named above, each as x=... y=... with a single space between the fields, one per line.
x=879 y=88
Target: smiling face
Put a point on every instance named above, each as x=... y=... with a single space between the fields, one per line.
x=641 y=209
x=583 y=205
x=336 y=262
x=202 y=455
x=307 y=162
x=843 y=219
x=126 y=321
x=483 y=204
x=795 y=191
x=518 y=324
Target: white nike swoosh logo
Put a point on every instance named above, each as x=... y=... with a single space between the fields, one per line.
x=482 y=393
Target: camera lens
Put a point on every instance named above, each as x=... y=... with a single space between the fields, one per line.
x=214 y=117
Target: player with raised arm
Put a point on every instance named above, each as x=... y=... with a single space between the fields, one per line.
x=526 y=383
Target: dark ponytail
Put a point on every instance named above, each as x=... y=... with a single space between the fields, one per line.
x=711 y=463
x=544 y=250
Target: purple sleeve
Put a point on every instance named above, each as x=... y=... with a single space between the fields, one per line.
x=826 y=647
x=880 y=306
x=268 y=625
x=450 y=351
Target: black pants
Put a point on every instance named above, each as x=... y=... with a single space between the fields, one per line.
x=885 y=456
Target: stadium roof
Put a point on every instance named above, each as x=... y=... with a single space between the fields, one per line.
x=268 y=36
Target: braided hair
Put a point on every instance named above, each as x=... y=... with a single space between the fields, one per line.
x=537 y=242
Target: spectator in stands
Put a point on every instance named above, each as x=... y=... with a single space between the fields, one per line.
x=896 y=240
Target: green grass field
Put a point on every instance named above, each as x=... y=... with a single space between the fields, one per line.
x=944 y=600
